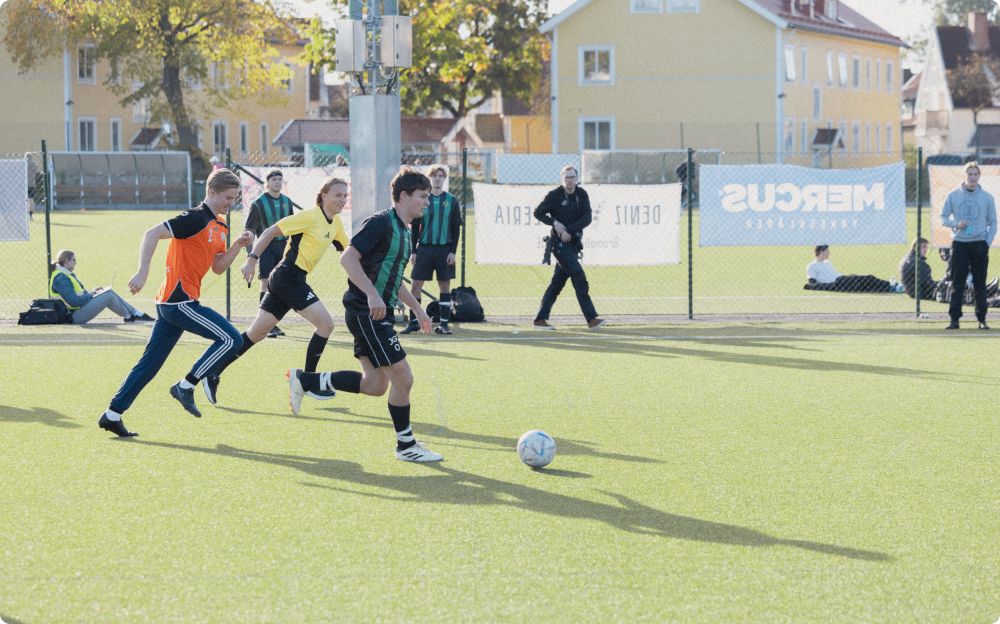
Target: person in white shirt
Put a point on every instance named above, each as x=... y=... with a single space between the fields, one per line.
x=821 y=275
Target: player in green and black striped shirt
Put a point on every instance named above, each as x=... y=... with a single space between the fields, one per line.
x=272 y=206
x=374 y=263
x=435 y=241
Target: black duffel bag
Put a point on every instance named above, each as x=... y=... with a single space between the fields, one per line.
x=465 y=307
x=46 y=312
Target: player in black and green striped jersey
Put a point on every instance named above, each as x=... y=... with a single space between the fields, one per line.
x=435 y=241
x=374 y=263
x=272 y=206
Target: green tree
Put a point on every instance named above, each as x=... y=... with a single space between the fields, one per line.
x=464 y=51
x=956 y=12
x=973 y=84
x=162 y=51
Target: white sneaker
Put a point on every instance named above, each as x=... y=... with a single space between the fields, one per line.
x=417 y=453
x=295 y=391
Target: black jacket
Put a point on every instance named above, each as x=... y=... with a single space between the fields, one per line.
x=573 y=211
x=927 y=283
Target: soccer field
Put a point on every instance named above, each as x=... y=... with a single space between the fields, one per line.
x=705 y=473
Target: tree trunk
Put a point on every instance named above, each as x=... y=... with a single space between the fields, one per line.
x=173 y=91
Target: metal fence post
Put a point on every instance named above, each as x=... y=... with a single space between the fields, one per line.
x=48 y=208
x=690 y=212
x=465 y=204
x=916 y=247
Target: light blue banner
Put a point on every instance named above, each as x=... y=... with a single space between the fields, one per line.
x=754 y=205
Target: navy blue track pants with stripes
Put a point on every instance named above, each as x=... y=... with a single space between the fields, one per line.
x=172 y=321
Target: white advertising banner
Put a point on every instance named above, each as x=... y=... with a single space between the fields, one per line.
x=301 y=185
x=14 y=201
x=632 y=224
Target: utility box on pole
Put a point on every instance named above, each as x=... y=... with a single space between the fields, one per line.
x=397 y=41
x=352 y=50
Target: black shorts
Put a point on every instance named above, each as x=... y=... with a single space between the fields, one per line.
x=270 y=258
x=433 y=259
x=287 y=290
x=376 y=340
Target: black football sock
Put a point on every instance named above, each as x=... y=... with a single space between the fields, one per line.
x=401 y=423
x=247 y=343
x=444 y=308
x=314 y=351
x=413 y=315
x=344 y=381
x=261 y=298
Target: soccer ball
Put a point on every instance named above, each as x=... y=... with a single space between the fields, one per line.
x=536 y=448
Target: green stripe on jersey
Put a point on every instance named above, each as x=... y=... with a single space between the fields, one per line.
x=390 y=273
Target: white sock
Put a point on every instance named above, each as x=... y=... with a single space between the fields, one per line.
x=112 y=416
x=186 y=385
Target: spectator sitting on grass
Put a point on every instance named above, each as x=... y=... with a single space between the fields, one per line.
x=86 y=304
x=822 y=276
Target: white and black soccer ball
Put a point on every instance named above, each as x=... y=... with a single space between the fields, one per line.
x=536 y=448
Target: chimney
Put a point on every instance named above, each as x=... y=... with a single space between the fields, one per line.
x=979 y=32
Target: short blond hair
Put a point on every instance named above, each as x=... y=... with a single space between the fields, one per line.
x=435 y=168
x=221 y=180
x=972 y=164
x=568 y=168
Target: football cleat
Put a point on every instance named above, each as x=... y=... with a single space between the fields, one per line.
x=417 y=453
x=412 y=327
x=210 y=385
x=185 y=398
x=443 y=329
x=116 y=427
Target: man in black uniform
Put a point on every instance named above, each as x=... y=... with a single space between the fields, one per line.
x=374 y=263
x=272 y=206
x=567 y=209
x=435 y=241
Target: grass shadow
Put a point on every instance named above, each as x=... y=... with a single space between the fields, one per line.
x=440 y=484
x=41 y=415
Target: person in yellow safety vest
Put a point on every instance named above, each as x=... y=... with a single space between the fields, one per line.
x=86 y=304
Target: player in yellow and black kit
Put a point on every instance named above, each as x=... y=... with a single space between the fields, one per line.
x=435 y=241
x=311 y=233
x=272 y=206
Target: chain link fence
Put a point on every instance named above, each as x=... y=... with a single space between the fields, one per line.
x=703 y=281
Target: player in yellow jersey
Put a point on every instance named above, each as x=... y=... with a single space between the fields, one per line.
x=310 y=233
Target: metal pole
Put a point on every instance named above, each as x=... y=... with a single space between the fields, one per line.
x=829 y=148
x=690 y=212
x=759 y=161
x=48 y=208
x=229 y=283
x=916 y=248
x=465 y=204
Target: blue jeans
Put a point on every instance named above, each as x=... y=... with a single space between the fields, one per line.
x=568 y=267
x=172 y=321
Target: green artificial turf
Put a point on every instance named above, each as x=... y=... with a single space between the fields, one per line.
x=705 y=473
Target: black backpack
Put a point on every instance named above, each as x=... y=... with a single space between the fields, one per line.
x=465 y=307
x=46 y=312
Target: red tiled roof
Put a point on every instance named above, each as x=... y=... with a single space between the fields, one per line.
x=849 y=23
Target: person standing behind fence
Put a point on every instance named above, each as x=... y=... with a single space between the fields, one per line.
x=567 y=209
x=197 y=243
x=435 y=241
x=82 y=303
x=970 y=212
x=272 y=206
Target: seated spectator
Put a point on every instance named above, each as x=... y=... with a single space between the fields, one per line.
x=822 y=276
x=943 y=289
x=914 y=265
x=86 y=304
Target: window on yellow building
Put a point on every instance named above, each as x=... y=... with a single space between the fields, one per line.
x=789 y=133
x=842 y=62
x=868 y=74
x=86 y=61
x=856 y=72
x=646 y=6
x=888 y=137
x=829 y=68
x=817 y=103
x=804 y=65
x=789 y=63
x=265 y=139
x=856 y=137
x=220 y=138
x=596 y=134
x=597 y=65
x=890 y=79
x=804 y=137
x=88 y=138
x=116 y=135
x=683 y=6
x=878 y=74
x=244 y=137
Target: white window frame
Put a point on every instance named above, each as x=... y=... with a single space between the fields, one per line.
x=265 y=137
x=868 y=137
x=868 y=74
x=140 y=108
x=804 y=137
x=817 y=103
x=829 y=68
x=92 y=124
x=244 y=137
x=86 y=59
x=788 y=133
x=804 y=65
x=878 y=139
x=842 y=66
x=216 y=148
x=888 y=137
x=856 y=137
x=582 y=71
x=683 y=6
x=115 y=134
x=890 y=77
x=855 y=72
x=878 y=75
x=645 y=6
x=842 y=129
x=583 y=121
x=790 y=63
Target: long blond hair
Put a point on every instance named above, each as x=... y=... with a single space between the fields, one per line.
x=64 y=256
x=326 y=187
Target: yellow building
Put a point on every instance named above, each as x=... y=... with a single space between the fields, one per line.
x=797 y=81
x=65 y=101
